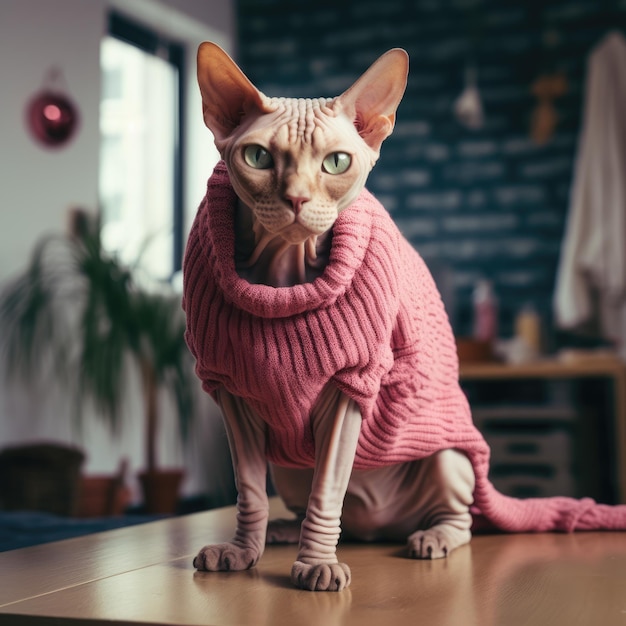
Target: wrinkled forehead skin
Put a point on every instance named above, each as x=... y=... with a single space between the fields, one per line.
x=316 y=124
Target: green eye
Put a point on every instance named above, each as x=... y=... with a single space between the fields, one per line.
x=336 y=163
x=258 y=157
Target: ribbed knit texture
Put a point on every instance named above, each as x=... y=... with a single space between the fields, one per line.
x=374 y=325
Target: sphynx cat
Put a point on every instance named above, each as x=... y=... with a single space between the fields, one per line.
x=295 y=166
x=321 y=335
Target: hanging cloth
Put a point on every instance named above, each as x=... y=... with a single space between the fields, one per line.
x=591 y=277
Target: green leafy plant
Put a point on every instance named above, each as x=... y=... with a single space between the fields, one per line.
x=79 y=314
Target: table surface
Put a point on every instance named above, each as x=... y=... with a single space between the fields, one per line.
x=143 y=574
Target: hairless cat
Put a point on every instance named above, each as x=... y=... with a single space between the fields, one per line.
x=319 y=331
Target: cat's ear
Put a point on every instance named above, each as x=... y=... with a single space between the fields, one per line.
x=372 y=100
x=227 y=94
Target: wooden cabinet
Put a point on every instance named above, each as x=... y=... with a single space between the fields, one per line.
x=570 y=417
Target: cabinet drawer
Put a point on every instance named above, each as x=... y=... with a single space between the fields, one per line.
x=552 y=447
x=529 y=486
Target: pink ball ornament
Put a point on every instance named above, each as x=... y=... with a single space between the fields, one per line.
x=52 y=118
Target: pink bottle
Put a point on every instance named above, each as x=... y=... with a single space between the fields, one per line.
x=485 y=312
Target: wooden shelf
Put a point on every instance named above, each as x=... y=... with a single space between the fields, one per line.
x=611 y=368
x=545 y=368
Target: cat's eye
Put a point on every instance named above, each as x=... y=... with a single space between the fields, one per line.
x=258 y=157
x=336 y=163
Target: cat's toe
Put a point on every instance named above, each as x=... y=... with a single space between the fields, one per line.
x=436 y=542
x=426 y=545
x=321 y=576
x=225 y=557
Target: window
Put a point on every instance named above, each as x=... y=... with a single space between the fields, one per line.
x=140 y=155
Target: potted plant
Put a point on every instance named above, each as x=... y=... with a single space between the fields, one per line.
x=93 y=317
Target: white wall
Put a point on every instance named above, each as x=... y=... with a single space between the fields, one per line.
x=38 y=185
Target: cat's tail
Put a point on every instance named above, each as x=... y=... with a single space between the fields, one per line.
x=495 y=511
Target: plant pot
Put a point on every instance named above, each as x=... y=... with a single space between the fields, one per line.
x=161 y=490
x=102 y=496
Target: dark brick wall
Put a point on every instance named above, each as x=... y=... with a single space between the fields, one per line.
x=483 y=203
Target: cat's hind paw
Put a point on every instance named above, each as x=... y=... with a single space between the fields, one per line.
x=284 y=531
x=320 y=577
x=225 y=557
x=436 y=542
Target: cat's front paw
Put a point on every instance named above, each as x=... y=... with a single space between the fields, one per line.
x=436 y=542
x=320 y=577
x=225 y=557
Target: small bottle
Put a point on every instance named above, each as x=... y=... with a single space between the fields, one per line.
x=528 y=329
x=485 y=312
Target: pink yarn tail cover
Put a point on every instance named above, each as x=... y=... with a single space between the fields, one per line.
x=495 y=511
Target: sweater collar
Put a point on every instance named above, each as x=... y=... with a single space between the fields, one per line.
x=351 y=234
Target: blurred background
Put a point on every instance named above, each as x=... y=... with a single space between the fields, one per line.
x=488 y=173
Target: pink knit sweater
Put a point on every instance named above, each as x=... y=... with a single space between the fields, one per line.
x=373 y=324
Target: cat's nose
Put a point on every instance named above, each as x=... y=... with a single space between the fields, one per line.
x=297 y=202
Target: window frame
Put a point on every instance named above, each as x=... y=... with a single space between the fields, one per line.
x=130 y=31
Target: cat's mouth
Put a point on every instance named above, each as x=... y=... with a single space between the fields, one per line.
x=297 y=232
x=293 y=227
x=296 y=228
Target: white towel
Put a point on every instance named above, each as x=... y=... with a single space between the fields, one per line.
x=591 y=278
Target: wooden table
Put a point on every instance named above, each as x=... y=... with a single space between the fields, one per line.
x=143 y=574
x=609 y=368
